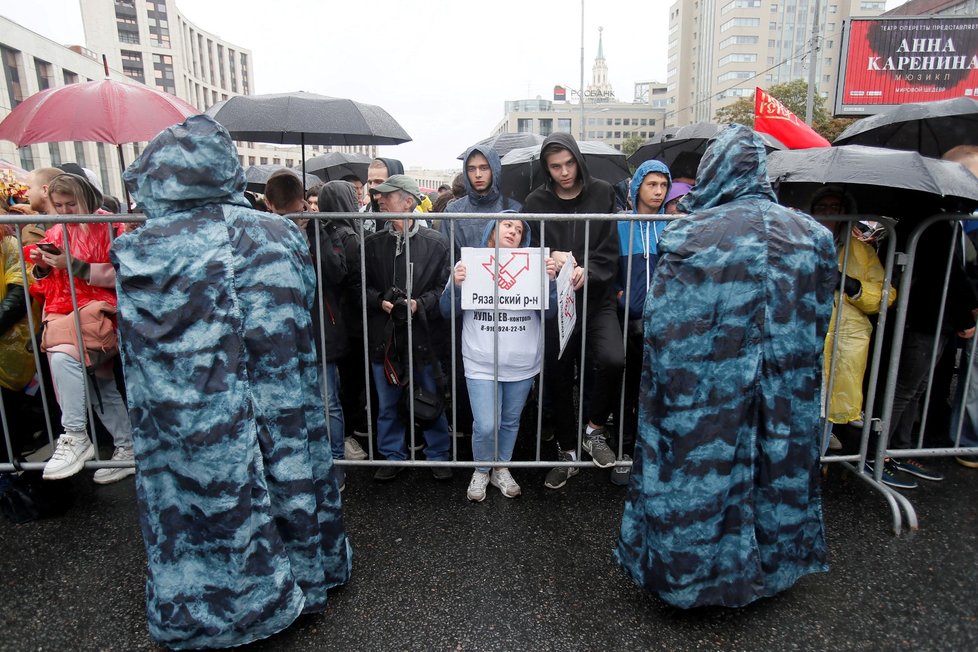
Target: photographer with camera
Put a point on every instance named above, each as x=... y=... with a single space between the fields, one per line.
x=396 y=286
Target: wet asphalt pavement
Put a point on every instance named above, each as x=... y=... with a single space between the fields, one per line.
x=434 y=572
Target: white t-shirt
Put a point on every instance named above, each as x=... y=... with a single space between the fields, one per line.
x=520 y=353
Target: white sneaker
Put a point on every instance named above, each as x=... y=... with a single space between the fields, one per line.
x=352 y=450
x=70 y=454
x=477 y=487
x=835 y=444
x=503 y=480
x=108 y=476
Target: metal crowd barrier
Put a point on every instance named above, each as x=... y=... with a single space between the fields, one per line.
x=873 y=426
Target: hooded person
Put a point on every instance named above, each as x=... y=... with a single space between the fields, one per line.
x=569 y=189
x=637 y=240
x=342 y=197
x=677 y=191
x=376 y=176
x=239 y=509
x=500 y=364
x=723 y=505
x=481 y=176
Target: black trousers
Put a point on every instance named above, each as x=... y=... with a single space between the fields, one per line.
x=604 y=357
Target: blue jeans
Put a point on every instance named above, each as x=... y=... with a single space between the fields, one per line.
x=334 y=410
x=74 y=391
x=512 y=397
x=390 y=430
x=969 y=403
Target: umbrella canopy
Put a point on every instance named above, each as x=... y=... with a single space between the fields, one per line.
x=521 y=170
x=504 y=143
x=886 y=182
x=681 y=148
x=306 y=118
x=929 y=128
x=333 y=166
x=18 y=173
x=257 y=176
x=106 y=111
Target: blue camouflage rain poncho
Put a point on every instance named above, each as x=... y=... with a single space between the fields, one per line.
x=723 y=506
x=239 y=512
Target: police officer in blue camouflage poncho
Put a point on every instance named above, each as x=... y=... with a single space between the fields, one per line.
x=239 y=511
x=723 y=507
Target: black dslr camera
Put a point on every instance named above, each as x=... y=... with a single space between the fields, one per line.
x=398 y=297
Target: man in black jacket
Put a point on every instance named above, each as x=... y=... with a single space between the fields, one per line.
x=569 y=189
x=407 y=267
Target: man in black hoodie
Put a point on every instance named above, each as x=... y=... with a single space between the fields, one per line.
x=569 y=189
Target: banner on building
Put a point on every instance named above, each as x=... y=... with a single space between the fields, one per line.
x=772 y=117
x=890 y=61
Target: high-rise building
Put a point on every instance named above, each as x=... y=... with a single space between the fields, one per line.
x=153 y=43
x=719 y=50
x=936 y=8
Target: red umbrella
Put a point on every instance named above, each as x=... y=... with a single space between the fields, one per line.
x=106 y=111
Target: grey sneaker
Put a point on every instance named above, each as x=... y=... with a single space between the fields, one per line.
x=70 y=454
x=477 y=487
x=559 y=475
x=108 y=476
x=352 y=450
x=503 y=480
x=620 y=474
x=597 y=447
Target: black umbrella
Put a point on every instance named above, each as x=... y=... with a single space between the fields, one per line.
x=888 y=182
x=333 y=166
x=504 y=143
x=681 y=148
x=300 y=118
x=257 y=176
x=521 y=171
x=929 y=128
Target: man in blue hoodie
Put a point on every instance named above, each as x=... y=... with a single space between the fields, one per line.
x=637 y=240
x=482 y=173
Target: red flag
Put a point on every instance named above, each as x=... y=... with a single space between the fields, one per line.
x=773 y=117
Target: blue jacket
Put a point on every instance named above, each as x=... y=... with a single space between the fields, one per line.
x=469 y=232
x=239 y=513
x=724 y=504
x=644 y=236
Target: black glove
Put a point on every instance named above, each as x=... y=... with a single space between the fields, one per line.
x=13 y=307
x=853 y=287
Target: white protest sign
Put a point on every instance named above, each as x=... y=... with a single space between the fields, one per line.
x=515 y=278
x=566 y=304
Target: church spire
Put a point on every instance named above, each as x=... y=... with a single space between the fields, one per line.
x=599 y=90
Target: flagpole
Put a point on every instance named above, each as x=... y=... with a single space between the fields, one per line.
x=580 y=96
x=812 y=58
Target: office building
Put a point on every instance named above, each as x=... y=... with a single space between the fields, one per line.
x=720 y=50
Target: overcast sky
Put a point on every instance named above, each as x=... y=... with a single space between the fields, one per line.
x=441 y=68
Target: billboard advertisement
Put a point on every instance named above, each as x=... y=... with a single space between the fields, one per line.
x=891 y=61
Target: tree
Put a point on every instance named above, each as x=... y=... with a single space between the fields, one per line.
x=794 y=95
x=631 y=144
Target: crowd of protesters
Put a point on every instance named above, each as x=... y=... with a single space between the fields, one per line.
x=305 y=328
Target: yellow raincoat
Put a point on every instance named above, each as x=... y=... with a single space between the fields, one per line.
x=16 y=359
x=855 y=329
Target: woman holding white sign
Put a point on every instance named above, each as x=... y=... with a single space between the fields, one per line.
x=516 y=333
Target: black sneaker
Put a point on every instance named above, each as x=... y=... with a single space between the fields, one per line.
x=596 y=446
x=914 y=467
x=621 y=473
x=890 y=476
x=441 y=473
x=387 y=473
